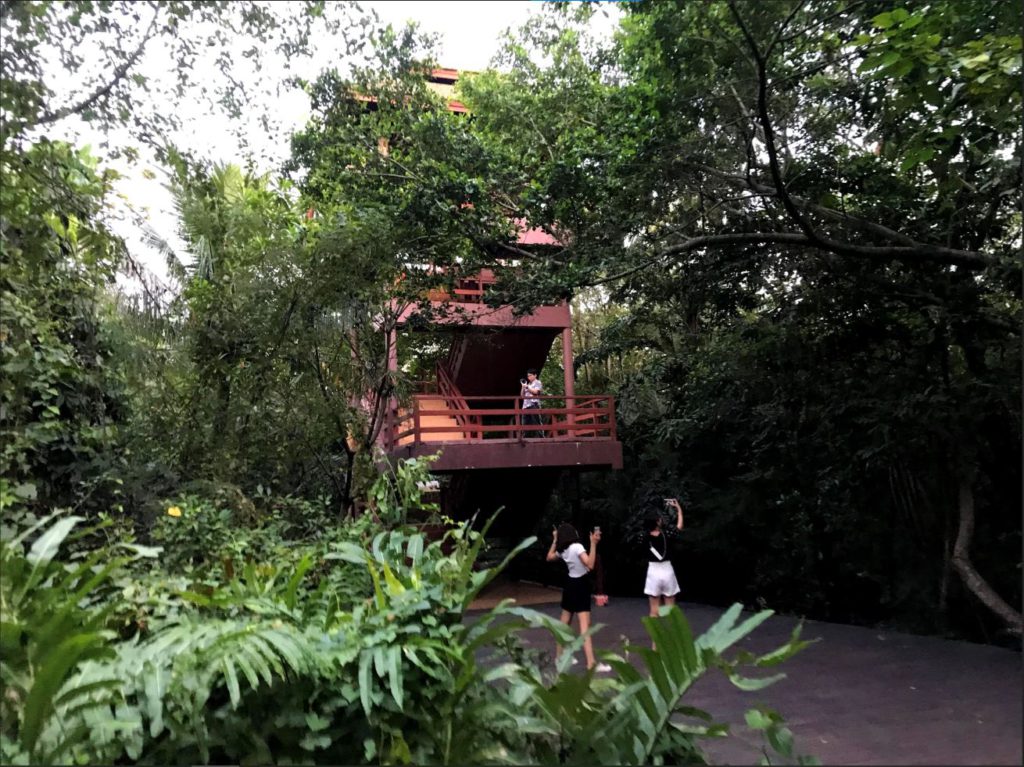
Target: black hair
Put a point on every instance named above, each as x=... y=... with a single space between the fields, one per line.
x=531 y=370
x=651 y=519
x=565 y=537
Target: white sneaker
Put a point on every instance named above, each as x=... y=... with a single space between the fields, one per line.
x=602 y=668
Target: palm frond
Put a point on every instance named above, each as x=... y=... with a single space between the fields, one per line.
x=175 y=266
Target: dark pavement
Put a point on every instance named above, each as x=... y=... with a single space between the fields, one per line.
x=858 y=695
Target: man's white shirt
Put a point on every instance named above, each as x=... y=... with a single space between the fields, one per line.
x=535 y=388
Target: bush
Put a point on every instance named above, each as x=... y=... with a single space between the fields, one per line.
x=274 y=665
x=193 y=532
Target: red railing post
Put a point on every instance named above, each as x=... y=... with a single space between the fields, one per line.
x=415 y=421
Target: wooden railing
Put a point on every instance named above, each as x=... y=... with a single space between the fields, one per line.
x=479 y=419
x=467 y=290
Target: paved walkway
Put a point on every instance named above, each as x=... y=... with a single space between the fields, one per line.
x=858 y=696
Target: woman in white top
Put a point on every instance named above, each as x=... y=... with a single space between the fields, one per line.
x=565 y=545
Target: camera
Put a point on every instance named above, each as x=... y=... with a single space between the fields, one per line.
x=522 y=381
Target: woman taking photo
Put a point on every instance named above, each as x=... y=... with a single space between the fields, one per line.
x=565 y=545
x=662 y=586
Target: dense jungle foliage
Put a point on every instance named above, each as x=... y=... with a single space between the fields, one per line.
x=814 y=332
x=791 y=233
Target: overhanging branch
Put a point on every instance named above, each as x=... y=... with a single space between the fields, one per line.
x=104 y=90
x=909 y=249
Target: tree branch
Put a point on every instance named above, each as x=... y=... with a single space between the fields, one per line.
x=834 y=215
x=104 y=91
x=971 y=578
x=778 y=33
x=794 y=239
x=761 y=65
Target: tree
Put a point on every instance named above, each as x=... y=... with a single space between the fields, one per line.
x=83 y=61
x=848 y=166
x=60 y=400
x=65 y=64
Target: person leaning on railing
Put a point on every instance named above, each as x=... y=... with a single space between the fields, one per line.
x=529 y=389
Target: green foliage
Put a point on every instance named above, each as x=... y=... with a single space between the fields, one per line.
x=264 y=667
x=957 y=61
x=105 y=43
x=51 y=624
x=801 y=396
x=60 y=400
x=400 y=489
x=193 y=532
x=635 y=717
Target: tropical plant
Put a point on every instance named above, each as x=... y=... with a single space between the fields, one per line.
x=259 y=668
x=60 y=401
x=52 y=621
x=635 y=718
x=401 y=488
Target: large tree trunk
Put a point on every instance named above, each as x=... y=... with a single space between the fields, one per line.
x=970 y=577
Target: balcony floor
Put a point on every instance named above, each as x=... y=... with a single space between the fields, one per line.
x=514 y=453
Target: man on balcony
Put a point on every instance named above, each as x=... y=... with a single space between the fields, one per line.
x=530 y=389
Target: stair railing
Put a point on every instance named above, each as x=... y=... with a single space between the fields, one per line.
x=456 y=402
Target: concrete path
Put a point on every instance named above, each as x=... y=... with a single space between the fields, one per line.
x=858 y=696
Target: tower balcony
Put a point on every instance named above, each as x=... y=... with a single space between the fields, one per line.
x=492 y=432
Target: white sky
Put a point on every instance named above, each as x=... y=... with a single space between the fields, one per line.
x=469 y=36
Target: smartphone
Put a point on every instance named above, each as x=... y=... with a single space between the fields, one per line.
x=668 y=502
x=597 y=529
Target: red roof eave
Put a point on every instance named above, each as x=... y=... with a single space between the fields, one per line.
x=534 y=236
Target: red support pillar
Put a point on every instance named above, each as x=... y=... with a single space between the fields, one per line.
x=570 y=378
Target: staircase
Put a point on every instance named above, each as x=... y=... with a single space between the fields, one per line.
x=434 y=412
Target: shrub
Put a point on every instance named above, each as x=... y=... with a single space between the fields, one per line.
x=193 y=532
x=271 y=665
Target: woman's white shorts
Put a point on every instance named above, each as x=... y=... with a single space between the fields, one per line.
x=661 y=580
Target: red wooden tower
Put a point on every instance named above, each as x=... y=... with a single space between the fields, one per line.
x=472 y=412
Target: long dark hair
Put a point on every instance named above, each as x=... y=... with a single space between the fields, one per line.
x=565 y=537
x=651 y=520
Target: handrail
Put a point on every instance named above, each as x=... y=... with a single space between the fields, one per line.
x=461 y=292
x=447 y=389
x=587 y=417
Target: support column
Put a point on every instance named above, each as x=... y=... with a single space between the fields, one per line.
x=570 y=378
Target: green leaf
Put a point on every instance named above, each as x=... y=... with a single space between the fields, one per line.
x=232 y=681
x=365 y=680
x=415 y=548
x=26 y=490
x=395 y=676
x=757 y=719
x=750 y=685
x=46 y=546
x=316 y=723
x=48 y=680
x=915 y=157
